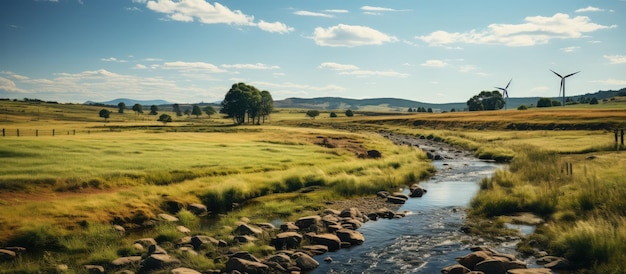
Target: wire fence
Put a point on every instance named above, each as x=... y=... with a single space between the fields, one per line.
x=17 y=132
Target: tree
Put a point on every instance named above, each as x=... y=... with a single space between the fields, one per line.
x=165 y=118
x=544 y=102
x=453 y=110
x=410 y=110
x=154 y=110
x=176 y=109
x=430 y=110
x=486 y=100
x=333 y=115
x=522 y=107
x=105 y=113
x=195 y=110
x=312 y=113
x=209 y=110
x=593 y=101
x=349 y=113
x=187 y=112
x=138 y=109
x=120 y=107
x=243 y=101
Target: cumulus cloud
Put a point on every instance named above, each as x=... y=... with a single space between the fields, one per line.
x=207 y=13
x=192 y=66
x=9 y=85
x=140 y=66
x=569 y=49
x=611 y=82
x=336 y=66
x=277 y=27
x=259 y=66
x=589 y=9
x=113 y=59
x=313 y=14
x=336 y=11
x=350 y=36
x=434 y=63
x=376 y=9
x=535 y=30
x=616 y=59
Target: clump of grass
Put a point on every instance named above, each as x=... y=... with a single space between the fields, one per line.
x=498 y=154
x=188 y=219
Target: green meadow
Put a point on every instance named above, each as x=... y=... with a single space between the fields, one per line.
x=60 y=194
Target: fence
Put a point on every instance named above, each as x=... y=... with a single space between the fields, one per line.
x=36 y=132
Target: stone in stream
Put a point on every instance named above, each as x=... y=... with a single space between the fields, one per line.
x=305 y=223
x=396 y=199
x=287 y=240
x=305 y=262
x=350 y=236
x=330 y=240
x=289 y=226
x=245 y=266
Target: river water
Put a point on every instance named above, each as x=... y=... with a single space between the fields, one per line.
x=429 y=237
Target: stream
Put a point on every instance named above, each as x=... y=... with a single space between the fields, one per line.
x=429 y=237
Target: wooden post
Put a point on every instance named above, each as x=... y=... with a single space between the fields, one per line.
x=615 y=132
x=3 y=133
x=571 y=169
x=53 y=132
x=622 y=137
x=36 y=132
x=74 y=132
x=18 y=132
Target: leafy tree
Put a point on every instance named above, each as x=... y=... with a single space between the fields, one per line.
x=593 y=101
x=105 y=113
x=556 y=103
x=544 y=102
x=243 y=101
x=312 y=113
x=195 y=110
x=333 y=115
x=430 y=110
x=187 y=112
x=176 y=109
x=209 y=110
x=486 y=100
x=165 y=118
x=120 y=107
x=453 y=110
x=410 y=110
x=138 y=109
x=154 y=110
x=522 y=107
x=349 y=113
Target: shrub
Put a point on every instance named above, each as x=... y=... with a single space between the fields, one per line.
x=522 y=107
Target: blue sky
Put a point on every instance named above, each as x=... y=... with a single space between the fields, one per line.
x=188 y=51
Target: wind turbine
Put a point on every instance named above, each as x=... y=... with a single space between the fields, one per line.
x=563 y=83
x=505 y=93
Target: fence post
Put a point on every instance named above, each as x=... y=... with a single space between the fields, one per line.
x=53 y=132
x=74 y=132
x=622 y=137
x=36 y=132
x=3 y=133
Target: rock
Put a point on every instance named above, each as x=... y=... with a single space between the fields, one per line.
x=289 y=226
x=245 y=255
x=396 y=200
x=62 y=267
x=455 y=269
x=183 y=229
x=281 y=259
x=184 y=270
x=417 y=192
x=200 y=240
x=158 y=261
x=530 y=271
x=287 y=240
x=245 y=239
x=328 y=259
x=119 y=229
x=383 y=194
x=126 y=261
x=146 y=242
x=331 y=212
x=155 y=249
x=315 y=249
x=470 y=260
x=266 y=226
x=246 y=229
x=353 y=224
x=330 y=240
x=124 y=272
x=16 y=249
x=498 y=266
x=385 y=213
x=187 y=251
x=168 y=218
x=306 y=222
x=559 y=264
x=374 y=154
x=350 y=236
x=548 y=259
x=305 y=262
x=197 y=209
x=7 y=255
x=245 y=266
x=94 y=268
x=352 y=213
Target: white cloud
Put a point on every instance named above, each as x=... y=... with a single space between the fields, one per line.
x=616 y=59
x=184 y=10
x=132 y=9
x=259 y=66
x=434 y=63
x=153 y=59
x=313 y=14
x=140 y=66
x=536 y=30
x=113 y=59
x=277 y=27
x=140 y=1
x=611 y=82
x=350 y=36
x=467 y=68
x=337 y=11
x=14 y=75
x=569 y=49
x=336 y=66
x=589 y=9
x=10 y=86
x=365 y=73
x=192 y=66
x=376 y=9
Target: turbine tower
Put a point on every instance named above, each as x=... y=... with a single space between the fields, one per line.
x=563 y=83
x=505 y=93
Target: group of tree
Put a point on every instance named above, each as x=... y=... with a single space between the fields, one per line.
x=154 y=110
x=420 y=109
x=314 y=113
x=246 y=101
x=486 y=100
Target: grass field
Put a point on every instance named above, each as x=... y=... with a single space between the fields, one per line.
x=132 y=167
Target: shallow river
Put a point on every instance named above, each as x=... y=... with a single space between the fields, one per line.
x=427 y=239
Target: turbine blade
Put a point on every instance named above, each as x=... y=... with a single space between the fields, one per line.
x=506 y=93
x=557 y=73
x=507 y=85
x=499 y=88
x=561 y=87
x=571 y=74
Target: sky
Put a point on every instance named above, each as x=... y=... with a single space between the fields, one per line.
x=191 y=51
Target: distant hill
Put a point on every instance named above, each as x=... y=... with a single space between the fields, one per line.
x=129 y=102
